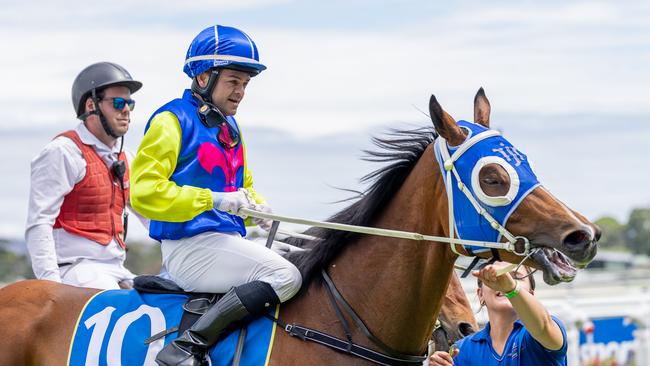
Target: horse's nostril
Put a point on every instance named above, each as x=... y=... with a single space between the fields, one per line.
x=598 y=233
x=465 y=329
x=577 y=238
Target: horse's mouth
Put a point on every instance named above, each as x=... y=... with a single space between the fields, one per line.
x=556 y=266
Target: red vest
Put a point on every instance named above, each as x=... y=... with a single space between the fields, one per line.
x=95 y=206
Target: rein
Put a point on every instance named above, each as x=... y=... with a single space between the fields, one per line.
x=511 y=247
x=518 y=245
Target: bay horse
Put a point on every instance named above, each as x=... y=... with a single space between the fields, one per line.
x=394 y=285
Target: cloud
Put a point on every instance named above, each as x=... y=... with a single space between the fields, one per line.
x=344 y=68
x=74 y=13
x=558 y=58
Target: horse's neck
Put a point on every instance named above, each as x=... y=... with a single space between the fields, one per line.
x=397 y=285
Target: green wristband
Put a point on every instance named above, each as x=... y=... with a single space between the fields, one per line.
x=514 y=291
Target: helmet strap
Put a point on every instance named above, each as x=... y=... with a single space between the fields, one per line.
x=109 y=131
x=209 y=113
x=86 y=115
x=206 y=93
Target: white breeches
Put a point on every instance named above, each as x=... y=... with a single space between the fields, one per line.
x=214 y=262
x=102 y=274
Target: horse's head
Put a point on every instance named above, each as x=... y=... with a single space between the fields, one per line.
x=496 y=196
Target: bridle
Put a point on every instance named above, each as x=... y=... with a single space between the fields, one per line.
x=513 y=242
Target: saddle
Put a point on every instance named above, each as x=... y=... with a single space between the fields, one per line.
x=196 y=305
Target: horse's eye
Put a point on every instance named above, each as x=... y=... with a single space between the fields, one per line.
x=491 y=181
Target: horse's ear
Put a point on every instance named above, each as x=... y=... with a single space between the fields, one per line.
x=482 y=108
x=445 y=124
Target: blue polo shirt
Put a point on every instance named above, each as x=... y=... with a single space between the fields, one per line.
x=521 y=349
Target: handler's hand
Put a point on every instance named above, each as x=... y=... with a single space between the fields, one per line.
x=488 y=275
x=440 y=358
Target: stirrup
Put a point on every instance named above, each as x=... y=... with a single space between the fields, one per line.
x=175 y=355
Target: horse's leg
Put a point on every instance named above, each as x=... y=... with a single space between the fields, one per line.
x=37 y=319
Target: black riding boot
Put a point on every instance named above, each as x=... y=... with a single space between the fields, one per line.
x=189 y=349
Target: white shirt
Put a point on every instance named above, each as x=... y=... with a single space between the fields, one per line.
x=54 y=173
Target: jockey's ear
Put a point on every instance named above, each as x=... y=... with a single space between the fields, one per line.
x=482 y=108
x=445 y=124
x=203 y=78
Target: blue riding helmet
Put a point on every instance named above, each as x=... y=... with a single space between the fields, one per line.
x=222 y=47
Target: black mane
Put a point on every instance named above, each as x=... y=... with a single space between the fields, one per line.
x=401 y=149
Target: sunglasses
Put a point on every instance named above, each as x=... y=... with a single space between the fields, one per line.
x=228 y=137
x=119 y=103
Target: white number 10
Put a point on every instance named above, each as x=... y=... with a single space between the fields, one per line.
x=99 y=322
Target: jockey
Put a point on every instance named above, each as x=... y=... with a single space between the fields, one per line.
x=190 y=178
x=76 y=223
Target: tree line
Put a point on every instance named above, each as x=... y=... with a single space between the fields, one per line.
x=631 y=236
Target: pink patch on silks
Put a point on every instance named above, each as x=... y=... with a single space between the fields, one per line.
x=210 y=156
x=228 y=161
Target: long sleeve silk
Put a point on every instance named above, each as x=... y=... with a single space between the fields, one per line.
x=152 y=193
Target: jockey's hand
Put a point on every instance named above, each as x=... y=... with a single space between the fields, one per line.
x=231 y=202
x=263 y=223
x=488 y=275
x=440 y=358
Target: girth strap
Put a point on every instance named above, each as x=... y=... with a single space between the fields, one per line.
x=390 y=357
x=239 y=350
x=349 y=347
x=357 y=320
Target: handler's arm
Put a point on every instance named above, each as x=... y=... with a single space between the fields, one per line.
x=536 y=319
x=152 y=193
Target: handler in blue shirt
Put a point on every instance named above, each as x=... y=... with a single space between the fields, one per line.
x=520 y=330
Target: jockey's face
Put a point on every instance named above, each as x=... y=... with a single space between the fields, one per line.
x=118 y=119
x=229 y=91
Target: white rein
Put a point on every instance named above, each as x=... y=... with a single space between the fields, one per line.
x=374 y=231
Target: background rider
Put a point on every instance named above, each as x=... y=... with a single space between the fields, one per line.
x=79 y=184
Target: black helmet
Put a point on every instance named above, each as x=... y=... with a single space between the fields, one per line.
x=96 y=76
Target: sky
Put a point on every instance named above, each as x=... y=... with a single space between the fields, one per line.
x=568 y=83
